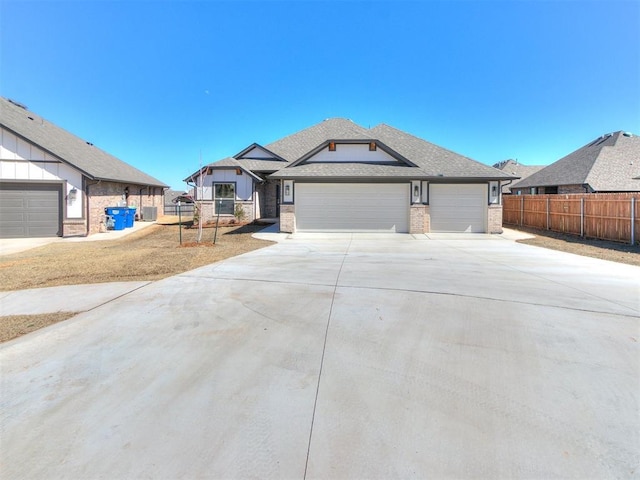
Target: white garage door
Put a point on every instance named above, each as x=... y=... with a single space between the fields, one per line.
x=458 y=207
x=352 y=207
x=30 y=210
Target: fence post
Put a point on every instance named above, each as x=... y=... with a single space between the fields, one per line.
x=582 y=217
x=633 y=220
x=521 y=209
x=548 y=202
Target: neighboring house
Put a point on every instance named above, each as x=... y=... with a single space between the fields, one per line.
x=171 y=197
x=515 y=168
x=337 y=176
x=608 y=164
x=53 y=183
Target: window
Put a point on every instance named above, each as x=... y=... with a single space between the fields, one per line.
x=224 y=197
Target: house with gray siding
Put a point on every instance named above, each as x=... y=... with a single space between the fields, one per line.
x=337 y=176
x=53 y=183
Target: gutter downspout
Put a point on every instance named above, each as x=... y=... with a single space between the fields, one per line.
x=139 y=210
x=506 y=185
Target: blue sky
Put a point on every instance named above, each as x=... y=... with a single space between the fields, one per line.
x=159 y=83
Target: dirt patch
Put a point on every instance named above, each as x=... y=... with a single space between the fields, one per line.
x=150 y=254
x=13 y=326
x=602 y=249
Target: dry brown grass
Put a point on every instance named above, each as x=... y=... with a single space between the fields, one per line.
x=13 y=326
x=150 y=254
x=602 y=249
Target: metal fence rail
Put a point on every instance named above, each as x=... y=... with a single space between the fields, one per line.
x=607 y=216
x=172 y=209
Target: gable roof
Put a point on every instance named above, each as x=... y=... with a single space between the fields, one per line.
x=608 y=163
x=225 y=163
x=90 y=160
x=268 y=154
x=417 y=158
x=397 y=158
x=516 y=169
x=294 y=146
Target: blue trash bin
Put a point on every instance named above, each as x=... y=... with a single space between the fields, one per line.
x=119 y=217
x=131 y=216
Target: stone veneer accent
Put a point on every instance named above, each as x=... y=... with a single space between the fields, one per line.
x=74 y=227
x=209 y=216
x=495 y=219
x=247 y=208
x=268 y=198
x=288 y=218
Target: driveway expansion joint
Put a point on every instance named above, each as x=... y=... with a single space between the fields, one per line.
x=324 y=348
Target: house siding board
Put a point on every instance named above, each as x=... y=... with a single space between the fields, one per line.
x=23 y=161
x=244 y=184
x=350 y=153
x=257 y=152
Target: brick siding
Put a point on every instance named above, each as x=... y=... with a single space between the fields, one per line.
x=563 y=189
x=287 y=218
x=495 y=219
x=112 y=194
x=418 y=219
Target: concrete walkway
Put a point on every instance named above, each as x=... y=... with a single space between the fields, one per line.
x=359 y=357
x=68 y=298
x=16 y=245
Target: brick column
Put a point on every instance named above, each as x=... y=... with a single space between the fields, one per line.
x=288 y=218
x=418 y=220
x=495 y=219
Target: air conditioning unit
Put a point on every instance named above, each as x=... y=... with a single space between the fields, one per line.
x=149 y=214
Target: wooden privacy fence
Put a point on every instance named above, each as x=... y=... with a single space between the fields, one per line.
x=607 y=216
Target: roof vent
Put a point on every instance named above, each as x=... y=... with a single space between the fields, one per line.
x=18 y=104
x=627 y=134
x=89 y=143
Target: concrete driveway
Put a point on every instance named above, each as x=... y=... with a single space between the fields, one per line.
x=340 y=357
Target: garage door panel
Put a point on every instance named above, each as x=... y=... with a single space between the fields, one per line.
x=30 y=210
x=352 y=207
x=458 y=207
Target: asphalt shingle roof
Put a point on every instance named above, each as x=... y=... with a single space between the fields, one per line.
x=609 y=163
x=431 y=161
x=92 y=161
x=435 y=161
x=339 y=170
x=512 y=167
x=295 y=146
